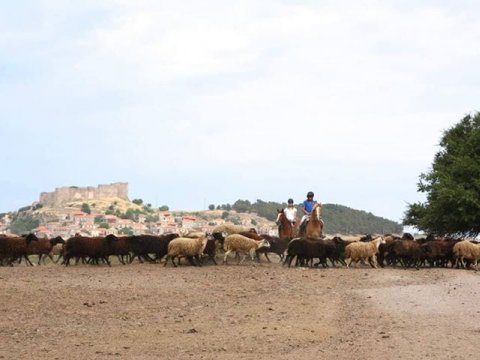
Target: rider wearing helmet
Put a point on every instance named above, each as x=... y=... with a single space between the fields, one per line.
x=307 y=208
x=291 y=212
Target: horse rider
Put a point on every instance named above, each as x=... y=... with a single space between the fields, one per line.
x=307 y=208
x=291 y=213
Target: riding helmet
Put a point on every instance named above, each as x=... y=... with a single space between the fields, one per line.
x=310 y=194
x=290 y=201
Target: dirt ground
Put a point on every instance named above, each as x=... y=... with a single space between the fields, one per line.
x=262 y=311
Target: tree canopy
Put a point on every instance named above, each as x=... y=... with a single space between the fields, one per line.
x=23 y=224
x=452 y=186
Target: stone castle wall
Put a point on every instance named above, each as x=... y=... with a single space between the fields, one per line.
x=63 y=195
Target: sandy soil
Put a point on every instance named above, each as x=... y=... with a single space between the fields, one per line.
x=263 y=311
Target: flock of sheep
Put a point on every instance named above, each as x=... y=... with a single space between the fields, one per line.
x=198 y=248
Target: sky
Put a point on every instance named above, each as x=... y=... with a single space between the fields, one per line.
x=207 y=102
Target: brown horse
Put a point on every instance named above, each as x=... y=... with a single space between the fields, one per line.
x=314 y=226
x=285 y=228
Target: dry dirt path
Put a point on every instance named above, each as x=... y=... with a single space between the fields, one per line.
x=144 y=311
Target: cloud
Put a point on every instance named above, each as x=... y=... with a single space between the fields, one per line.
x=255 y=99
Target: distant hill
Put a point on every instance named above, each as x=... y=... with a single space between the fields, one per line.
x=337 y=218
x=344 y=220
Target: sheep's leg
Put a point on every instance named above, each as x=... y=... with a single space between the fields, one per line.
x=213 y=259
x=225 y=256
x=190 y=260
x=252 y=256
x=50 y=257
x=348 y=263
x=243 y=259
x=290 y=259
x=27 y=260
x=266 y=255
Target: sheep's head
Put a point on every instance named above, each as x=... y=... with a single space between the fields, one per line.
x=111 y=237
x=263 y=243
x=57 y=240
x=30 y=237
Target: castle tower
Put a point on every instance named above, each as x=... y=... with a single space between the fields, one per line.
x=63 y=195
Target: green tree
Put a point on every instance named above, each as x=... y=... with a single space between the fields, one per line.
x=23 y=224
x=86 y=208
x=242 y=206
x=236 y=220
x=211 y=207
x=131 y=214
x=452 y=186
x=99 y=219
x=137 y=201
x=152 y=218
x=254 y=222
x=104 y=225
x=163 y=208
x=126 y=231
x=225 y=215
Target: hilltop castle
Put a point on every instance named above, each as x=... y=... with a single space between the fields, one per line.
x=63 y=195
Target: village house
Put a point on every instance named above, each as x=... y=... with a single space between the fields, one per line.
x=43 y=232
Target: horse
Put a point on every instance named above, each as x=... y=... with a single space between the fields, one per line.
x=285 y=228
x=314 y=227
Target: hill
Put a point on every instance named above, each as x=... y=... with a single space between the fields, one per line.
x=337 y=218
x=113 y=214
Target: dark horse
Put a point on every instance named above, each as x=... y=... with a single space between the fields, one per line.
x=285 y=228
x=314 y=226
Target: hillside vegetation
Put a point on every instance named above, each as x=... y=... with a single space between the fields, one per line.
x=337 y=218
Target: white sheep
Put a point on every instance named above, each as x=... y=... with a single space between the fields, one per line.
x=194 y=234
x=186 y=247
x=466 y=250
x=229 y=229
x=357 y=251
x=241 y=244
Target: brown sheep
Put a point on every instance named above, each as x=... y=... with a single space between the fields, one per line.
x=13 y=248
x=94 y=248
x=43 y=247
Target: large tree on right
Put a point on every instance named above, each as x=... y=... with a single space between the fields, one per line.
x=452 y=186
